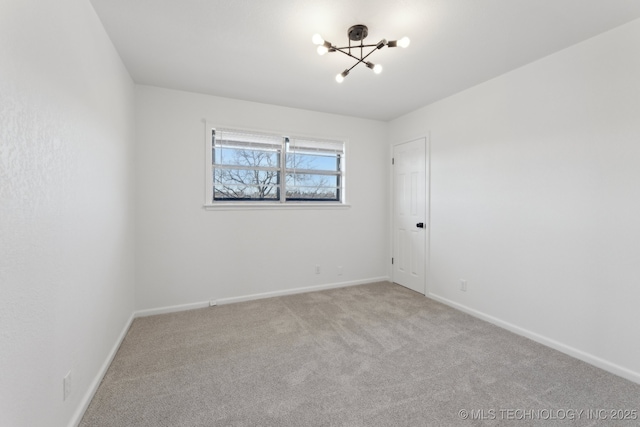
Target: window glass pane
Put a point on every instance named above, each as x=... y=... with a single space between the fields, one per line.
x=315 y=193
x=245 y=177
x=245 y=157
x=310 y=180
x=312 y=187
x=312 y=161
x=245 y=192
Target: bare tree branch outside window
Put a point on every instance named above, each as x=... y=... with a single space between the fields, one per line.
x=250 y=183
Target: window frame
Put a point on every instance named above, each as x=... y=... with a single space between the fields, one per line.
x=282 y=201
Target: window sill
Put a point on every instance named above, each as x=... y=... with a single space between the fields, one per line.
x=232 y=206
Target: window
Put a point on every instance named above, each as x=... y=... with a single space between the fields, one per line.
x=246 y=166
x=251 y=166
x=313 y=169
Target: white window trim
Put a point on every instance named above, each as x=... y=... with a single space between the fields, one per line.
x=232 y=206
x=268 y=205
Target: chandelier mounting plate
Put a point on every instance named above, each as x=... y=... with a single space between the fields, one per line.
x=358 y=32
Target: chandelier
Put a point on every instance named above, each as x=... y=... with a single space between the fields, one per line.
x=357 y=33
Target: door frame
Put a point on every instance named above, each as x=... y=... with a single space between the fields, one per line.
x=427 y=187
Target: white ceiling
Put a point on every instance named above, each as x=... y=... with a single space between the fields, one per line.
x=261 y=50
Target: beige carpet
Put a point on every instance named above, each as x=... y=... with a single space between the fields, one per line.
x=370 y=355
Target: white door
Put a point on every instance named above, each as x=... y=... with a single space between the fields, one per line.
x=410 y=222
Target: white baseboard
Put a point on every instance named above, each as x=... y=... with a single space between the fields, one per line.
x=171 y=309
x=272 y=294
x=86 y=400
x=573 y=352
x=231 y=300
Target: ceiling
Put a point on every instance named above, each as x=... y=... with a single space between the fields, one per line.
x=261 y=50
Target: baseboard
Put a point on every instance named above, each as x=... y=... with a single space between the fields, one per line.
x=556 y=345
x=86 y=400
x=263 y=295
x=171 y=309
x=231 y=300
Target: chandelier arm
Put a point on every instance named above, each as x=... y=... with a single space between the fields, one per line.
x=353 y=47
x=365 y=57
x=355 y=57
x=353 y=66
x=348 y=54
x=358 y=60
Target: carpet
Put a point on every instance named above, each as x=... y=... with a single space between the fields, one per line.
x=368 y=355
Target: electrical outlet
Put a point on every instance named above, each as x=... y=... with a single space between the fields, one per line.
x=463 y=285
x=317 y=269
x=339 y=270
x=66 y=386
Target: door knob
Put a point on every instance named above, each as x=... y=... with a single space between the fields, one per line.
x=420 y=225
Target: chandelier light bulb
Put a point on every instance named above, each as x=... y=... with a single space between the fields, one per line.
x=317 y=39
x=340 y=77
x=322 y=49
x=377 y=68
x=404 y=42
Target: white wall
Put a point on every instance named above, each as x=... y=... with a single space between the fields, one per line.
x=187 y=255
x=66 y=249
x=535 y=198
